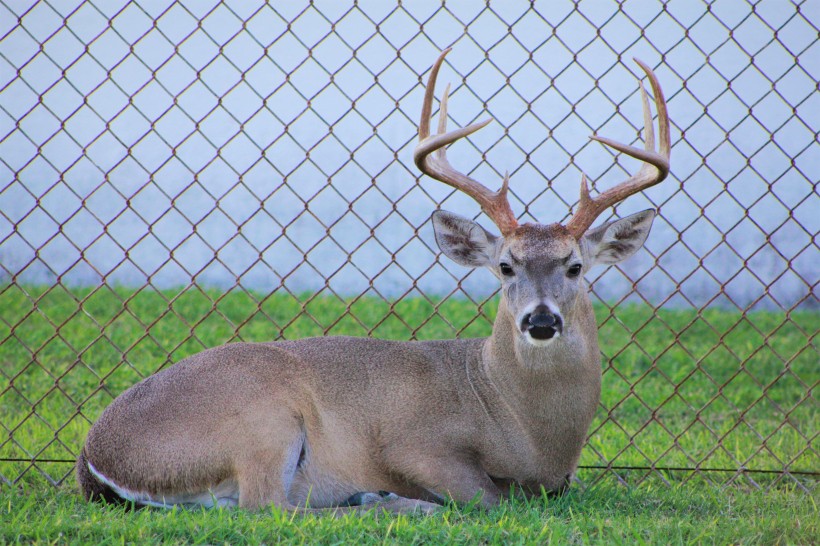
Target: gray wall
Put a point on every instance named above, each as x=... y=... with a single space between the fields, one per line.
x=222 y=144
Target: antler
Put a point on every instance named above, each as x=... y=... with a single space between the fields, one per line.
x=494 y=204
x=654 y=169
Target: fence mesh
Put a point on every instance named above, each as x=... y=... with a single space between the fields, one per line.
x=185 y=174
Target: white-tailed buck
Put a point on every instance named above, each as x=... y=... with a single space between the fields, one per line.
x=335 y=422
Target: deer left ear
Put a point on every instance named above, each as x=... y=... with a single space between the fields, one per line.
x=617 y=240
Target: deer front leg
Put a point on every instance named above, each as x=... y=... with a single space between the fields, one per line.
x=532 y=489
x=458 y=478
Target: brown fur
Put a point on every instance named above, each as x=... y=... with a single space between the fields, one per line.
x=318 y=420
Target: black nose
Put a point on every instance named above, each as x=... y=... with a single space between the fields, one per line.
x=542 y=320
x=542 y=323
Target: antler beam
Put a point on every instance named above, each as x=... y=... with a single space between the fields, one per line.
x=654 y=169
x=430 y=157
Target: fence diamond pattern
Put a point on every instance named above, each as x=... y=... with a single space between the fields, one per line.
x=192 y=151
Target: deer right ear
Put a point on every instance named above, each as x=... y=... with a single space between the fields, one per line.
x=462 y=240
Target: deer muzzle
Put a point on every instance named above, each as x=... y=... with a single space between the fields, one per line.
x=542 y=324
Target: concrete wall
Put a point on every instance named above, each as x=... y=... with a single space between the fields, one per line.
x=234 y=144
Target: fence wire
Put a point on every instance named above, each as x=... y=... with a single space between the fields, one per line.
x=187 y=156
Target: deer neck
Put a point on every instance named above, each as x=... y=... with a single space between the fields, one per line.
x=524 y=374
x=541 y=400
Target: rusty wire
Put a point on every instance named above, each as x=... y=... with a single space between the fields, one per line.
x=76 y=41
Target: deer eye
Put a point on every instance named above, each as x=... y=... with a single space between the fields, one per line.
x=506 y=269
x=574 y=270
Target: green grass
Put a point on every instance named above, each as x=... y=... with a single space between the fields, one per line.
x=612 y=515
x=681 y=388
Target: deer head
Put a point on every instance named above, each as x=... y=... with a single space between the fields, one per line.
x=541 y=266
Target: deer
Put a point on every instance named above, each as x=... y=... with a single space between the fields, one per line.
x=348 y=424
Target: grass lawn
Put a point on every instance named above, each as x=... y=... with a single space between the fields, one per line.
x=681 y=388
x=607 y=514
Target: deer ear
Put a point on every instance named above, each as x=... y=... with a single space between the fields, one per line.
x=462 y=240
x=617 y=240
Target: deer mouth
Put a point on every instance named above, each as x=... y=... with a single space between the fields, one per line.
x=541 y=326
x=542 y=332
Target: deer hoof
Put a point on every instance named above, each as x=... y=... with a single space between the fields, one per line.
x=401 y=505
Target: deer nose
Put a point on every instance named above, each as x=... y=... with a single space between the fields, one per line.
x=542 y=319
x=542 y=323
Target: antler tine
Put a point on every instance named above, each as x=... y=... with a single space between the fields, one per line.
x=654 y=169
x=494 y=204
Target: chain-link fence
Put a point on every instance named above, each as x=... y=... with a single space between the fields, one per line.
x=177 y=176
